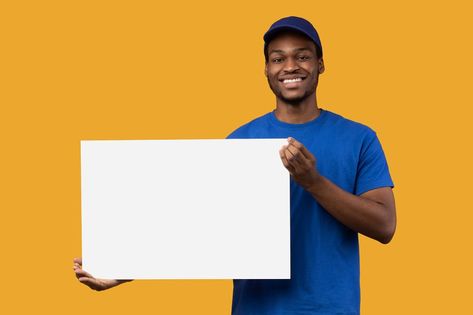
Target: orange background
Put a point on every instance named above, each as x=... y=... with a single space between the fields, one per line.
x=73 y=70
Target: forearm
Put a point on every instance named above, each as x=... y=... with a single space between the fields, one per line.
x=368 y=217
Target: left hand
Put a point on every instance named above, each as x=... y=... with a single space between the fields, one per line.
x=300 y=163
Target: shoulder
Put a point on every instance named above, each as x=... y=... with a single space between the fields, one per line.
x=247 y=130
x=347 y=128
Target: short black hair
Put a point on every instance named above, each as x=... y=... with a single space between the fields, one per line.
x=318 y=50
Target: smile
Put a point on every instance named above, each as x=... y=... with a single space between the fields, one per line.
x=292 y=80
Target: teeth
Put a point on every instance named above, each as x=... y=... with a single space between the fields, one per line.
x=292 y=80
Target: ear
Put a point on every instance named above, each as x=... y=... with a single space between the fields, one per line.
x=266 y=69
x=321 y=66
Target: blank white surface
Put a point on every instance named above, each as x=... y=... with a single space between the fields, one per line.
x=185 y=209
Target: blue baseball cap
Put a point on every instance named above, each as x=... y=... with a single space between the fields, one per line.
x=293 y=23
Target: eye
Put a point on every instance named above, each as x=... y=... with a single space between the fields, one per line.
x=303 y=57
x=277 y=60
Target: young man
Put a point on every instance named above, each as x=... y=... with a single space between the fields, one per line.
x=340 y=186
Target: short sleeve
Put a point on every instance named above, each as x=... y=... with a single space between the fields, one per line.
x=372 y=171
x=240 y=133
x=233 y=135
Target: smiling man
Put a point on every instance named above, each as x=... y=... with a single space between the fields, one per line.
x=340 y=186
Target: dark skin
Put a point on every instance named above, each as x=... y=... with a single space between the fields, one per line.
x=293 y=57
x=93 y=283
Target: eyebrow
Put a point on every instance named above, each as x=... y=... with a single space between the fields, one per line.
x=282 y=51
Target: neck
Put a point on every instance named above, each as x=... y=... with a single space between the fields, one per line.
x=301 y=113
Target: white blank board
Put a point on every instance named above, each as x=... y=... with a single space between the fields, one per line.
x=185 y=209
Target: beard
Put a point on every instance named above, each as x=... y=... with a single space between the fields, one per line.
x=293 y=101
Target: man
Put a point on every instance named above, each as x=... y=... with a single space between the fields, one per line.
x=340 y=186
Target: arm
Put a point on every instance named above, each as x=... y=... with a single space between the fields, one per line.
x=372 y=214
x=93 y=283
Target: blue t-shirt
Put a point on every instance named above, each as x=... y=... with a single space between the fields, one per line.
x=324 y=253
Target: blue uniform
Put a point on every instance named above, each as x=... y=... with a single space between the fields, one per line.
x=324 y=253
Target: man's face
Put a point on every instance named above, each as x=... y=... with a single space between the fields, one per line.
x=293 y=67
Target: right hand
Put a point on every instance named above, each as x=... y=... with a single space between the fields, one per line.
x=93 y=283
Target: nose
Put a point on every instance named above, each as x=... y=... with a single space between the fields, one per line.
x=291 y=65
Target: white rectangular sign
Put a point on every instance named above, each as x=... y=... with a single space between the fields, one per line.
x=185 y=209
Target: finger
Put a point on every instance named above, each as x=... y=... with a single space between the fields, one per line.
x=301 y=148
x=285 y=161
x=304 y=162
x=79 y=275
x=78 y=261
x=307 y=154
x=296 y=152
x=82 y=273
x=292 y=159
x=293 y=163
